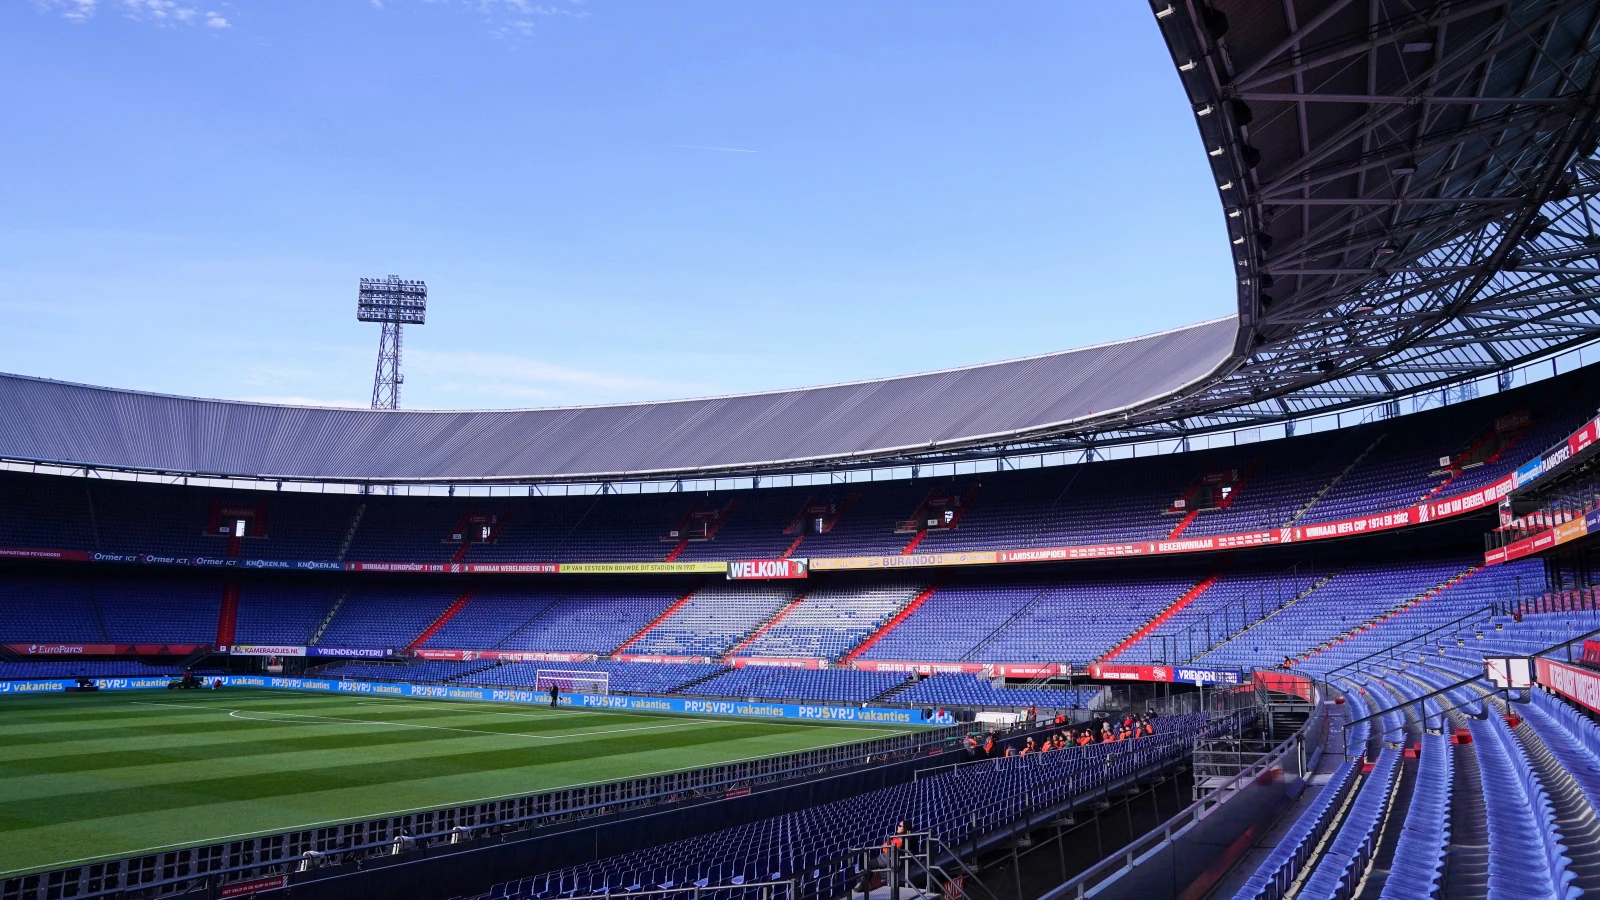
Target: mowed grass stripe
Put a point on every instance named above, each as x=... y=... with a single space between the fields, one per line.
x=241 y=776
x=305 y=737
x=194 y=718
x=145 y=770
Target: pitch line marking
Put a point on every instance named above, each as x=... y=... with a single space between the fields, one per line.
x=235 y=714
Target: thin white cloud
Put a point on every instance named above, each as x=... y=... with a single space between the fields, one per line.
x=71 y=10
x=170 y=13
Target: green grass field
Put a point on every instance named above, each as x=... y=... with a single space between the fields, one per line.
x=94 y=776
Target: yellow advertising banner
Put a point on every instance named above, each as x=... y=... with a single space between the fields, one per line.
x=656 y=568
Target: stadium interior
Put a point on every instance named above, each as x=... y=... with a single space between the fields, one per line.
x=1300 y=603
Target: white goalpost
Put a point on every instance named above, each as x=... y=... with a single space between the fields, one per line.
x=571 y=681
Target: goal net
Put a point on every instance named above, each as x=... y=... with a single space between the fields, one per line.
x=573 y=682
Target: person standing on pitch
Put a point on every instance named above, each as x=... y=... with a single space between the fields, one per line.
x=555 y=694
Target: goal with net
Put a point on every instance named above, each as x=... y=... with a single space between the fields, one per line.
x=572 y=681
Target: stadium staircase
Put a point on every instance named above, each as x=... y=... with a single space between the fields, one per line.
x=1185 y=522
x=333 y=610
x=526 y=623
x=682 y=533
x=889 y=694
x=448 y=614
x=1000 y=629
x=761 y=629
x=1459 y=462
x=1218 y=642
x=665 y=615
x=1398 y=608
x=888 y=626
x=684 y=688
x=1301 y=512
x=793 y=546
x=350 y=533
x=228 y=616
x=918 y=523
x=196 y=656
x=1160 y=619
x=94 y=607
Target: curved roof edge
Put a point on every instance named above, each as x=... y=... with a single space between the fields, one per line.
x=81 y=425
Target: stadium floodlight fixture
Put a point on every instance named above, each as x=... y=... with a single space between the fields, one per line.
x=392 y=302
x=392 y=299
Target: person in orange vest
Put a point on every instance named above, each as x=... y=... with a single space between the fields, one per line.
x=898 y=839
x=1085 y=738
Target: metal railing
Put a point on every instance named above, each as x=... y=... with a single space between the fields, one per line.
x=787 y=889
x=1129 y=856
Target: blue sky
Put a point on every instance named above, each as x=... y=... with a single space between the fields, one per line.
x=194 y=188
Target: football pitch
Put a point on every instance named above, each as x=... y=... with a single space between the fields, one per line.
x=85 y=777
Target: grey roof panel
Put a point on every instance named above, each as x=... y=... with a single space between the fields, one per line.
x=53 y=421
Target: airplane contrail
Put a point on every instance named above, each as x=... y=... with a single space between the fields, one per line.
x=701 y=147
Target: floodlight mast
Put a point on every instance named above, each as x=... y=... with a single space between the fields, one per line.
x=393 y=302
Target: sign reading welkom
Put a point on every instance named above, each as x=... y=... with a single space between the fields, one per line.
x=744 y=569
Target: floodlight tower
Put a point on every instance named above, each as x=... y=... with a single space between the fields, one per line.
x=392 y=302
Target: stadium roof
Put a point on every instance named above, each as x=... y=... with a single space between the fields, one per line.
x=53 y=421
x=1409 y=189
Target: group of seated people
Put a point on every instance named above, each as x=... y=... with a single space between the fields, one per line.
x=1098 y=730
